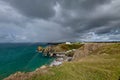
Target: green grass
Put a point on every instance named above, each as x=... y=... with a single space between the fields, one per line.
x=71 y=46
x=102 y=66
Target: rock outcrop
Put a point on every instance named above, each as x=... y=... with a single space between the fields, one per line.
x=39 y=49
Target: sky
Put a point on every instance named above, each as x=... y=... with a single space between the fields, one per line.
x=59 y=20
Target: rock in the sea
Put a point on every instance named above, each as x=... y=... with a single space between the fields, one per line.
x=39 y=48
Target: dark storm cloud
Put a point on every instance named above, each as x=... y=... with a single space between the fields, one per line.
x=82 y=4
x=87 y=15
x=34 y=8
x=61 y=20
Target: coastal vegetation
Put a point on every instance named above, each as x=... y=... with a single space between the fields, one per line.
x=101 y=62
x=63 y=47
x=70 y=47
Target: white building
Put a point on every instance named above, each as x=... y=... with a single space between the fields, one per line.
x=68 y=43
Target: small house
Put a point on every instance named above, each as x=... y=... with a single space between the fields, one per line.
x=68 y=43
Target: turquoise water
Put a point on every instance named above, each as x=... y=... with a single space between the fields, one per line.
x=20 y=57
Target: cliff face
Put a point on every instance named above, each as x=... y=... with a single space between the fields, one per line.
x=87 y=49
x=51 y=48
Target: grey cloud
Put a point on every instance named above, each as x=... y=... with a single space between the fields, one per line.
x=34 y=8
x=114 y=37
x=60 y=20
x=8 y=15
x=82 y=4
x=87 y=15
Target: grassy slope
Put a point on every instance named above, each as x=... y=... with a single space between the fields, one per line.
x=69 y=47
x=103 y=64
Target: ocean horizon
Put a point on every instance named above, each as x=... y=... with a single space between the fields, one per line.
x=22 y=57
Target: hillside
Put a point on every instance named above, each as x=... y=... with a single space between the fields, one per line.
x=62 y=47
x=93 y=61
x=89 y=48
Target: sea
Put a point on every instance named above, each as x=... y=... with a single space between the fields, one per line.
x=22 y=57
